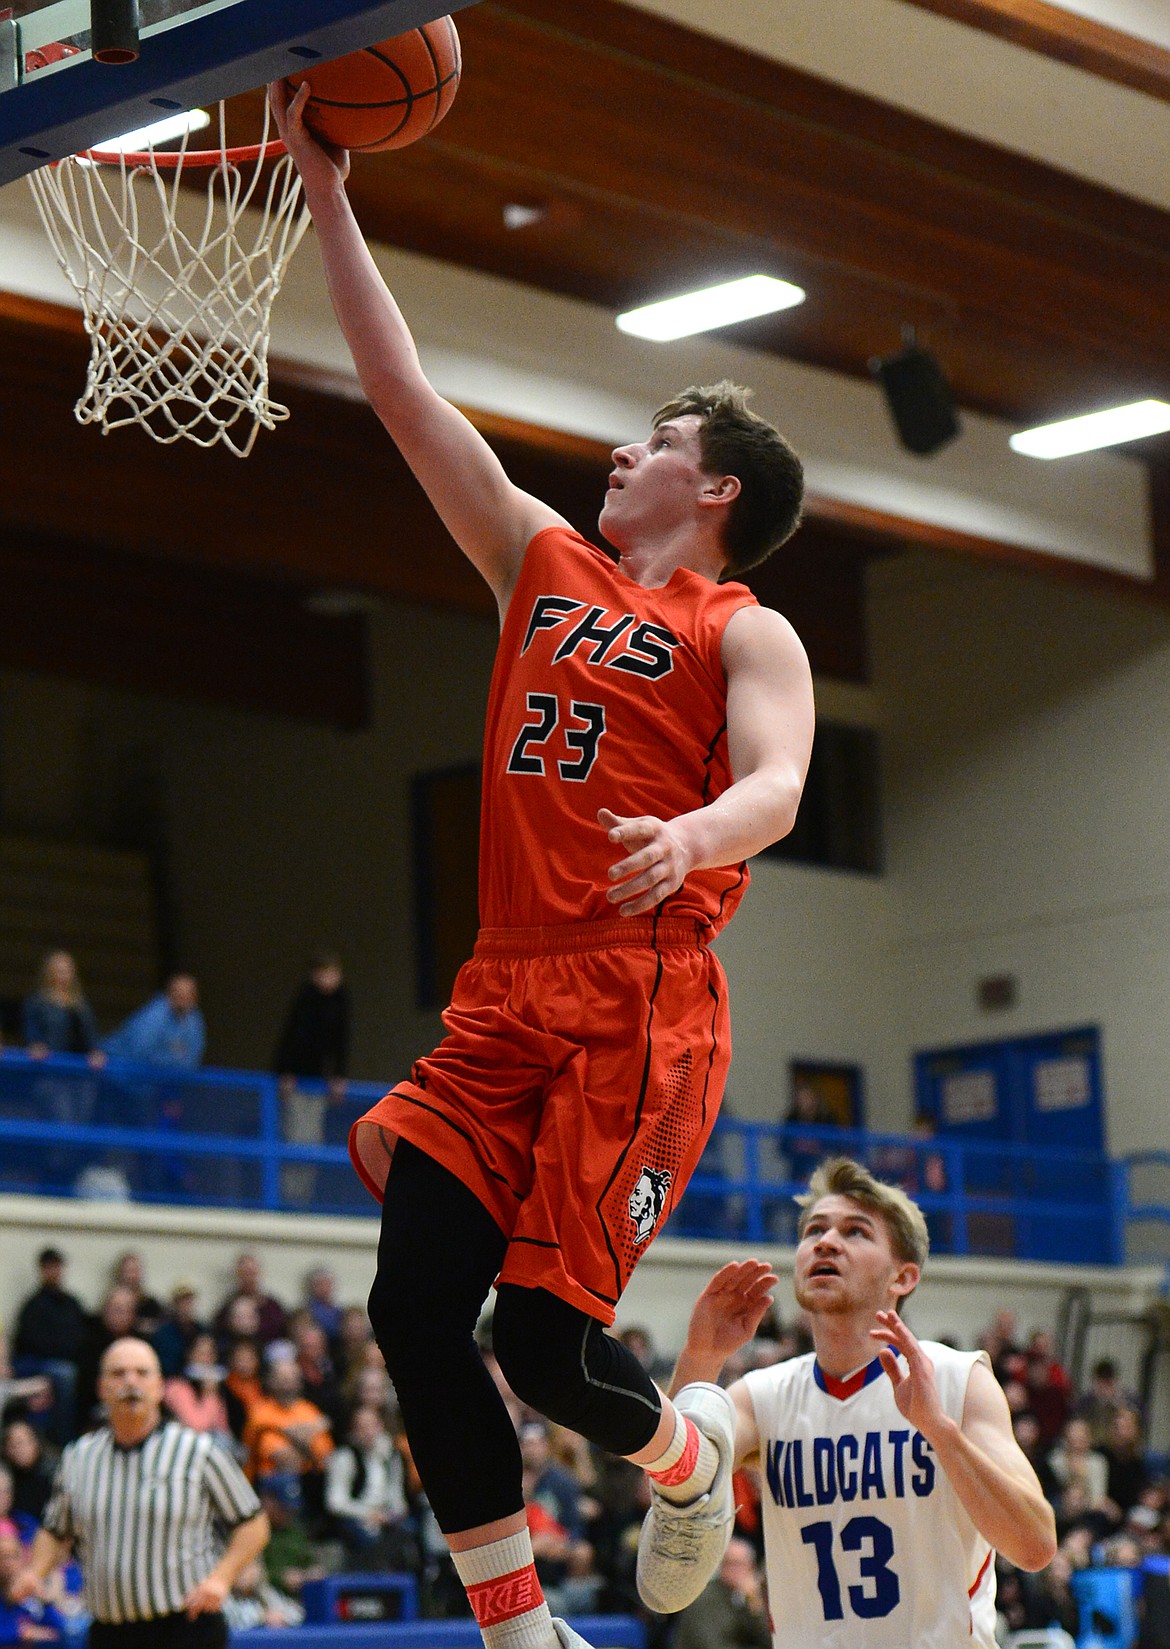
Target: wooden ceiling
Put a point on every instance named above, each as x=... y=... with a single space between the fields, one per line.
x=659 y=159
x=1068 y=37
x=327 y=505
x=664 y=159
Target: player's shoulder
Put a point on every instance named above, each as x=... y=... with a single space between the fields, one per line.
x=943 y=1355
x=952 y=1372
x=794 y=1373
x=754 y=627
x=759 y=645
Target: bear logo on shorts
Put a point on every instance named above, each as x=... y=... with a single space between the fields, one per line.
x=647 y=1200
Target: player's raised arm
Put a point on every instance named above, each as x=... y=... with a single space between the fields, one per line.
x=770 y=720
x=985 y=1465
x=725 y=1317
x=490 y=519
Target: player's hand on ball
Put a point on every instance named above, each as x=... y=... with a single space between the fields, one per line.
x=655 y=864
x=320 y=164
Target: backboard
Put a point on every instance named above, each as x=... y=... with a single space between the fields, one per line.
x=55 y=99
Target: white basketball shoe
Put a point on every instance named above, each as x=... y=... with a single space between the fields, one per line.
x=569 y=1639
x=681 y=1547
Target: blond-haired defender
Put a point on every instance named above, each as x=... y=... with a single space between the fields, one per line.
x=889 y=1472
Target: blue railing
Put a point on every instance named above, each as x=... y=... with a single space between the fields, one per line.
x=211 y=1137
x=978 y=1197
x=214 y=1138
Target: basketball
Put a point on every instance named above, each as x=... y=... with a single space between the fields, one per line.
x=386 y=95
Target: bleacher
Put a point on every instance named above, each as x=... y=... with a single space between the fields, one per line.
x=165 y=1142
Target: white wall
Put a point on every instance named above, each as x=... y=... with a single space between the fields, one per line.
x=807 y=960
x=284 y=837
x=1028 y=770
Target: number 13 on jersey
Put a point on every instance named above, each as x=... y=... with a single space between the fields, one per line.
x=879 y=1590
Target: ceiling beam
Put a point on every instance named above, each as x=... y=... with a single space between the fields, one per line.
x=1083 y=42
x=327 y=502
x=662 y=158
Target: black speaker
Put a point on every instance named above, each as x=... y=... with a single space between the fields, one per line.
x=919 y=398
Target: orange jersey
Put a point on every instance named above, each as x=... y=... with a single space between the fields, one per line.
x=604 y=694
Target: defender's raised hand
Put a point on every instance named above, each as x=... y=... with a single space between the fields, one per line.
x=731 y=1307
x=915 y=1391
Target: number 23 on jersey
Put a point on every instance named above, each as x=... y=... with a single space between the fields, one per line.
x=576 y=728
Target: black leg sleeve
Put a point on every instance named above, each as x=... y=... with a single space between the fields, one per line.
x=562 y=1363
x=437 y=1257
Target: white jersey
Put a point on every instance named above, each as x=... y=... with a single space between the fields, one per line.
x=867 y=1545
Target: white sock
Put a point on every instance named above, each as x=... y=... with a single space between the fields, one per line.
x=505 y=1595
x=686 y=1468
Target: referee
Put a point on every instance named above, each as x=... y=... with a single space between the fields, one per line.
x=141 y=1500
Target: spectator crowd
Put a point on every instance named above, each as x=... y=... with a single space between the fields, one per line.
x=298 y=1393
x=169 y=1030
x=164 y=1039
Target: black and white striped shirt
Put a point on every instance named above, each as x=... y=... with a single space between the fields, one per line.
x=145 y=1520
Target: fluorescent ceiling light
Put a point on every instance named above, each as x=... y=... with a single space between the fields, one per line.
x=159 y=131
x=1095 y=429
x=715 y=306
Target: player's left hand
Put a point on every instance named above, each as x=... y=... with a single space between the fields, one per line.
x=207 y=1598
x=915 y=1391
x=655 y=864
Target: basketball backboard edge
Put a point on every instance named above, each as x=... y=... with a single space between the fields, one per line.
x=216 y=50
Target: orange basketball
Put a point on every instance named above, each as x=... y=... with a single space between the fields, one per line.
x=384 y=96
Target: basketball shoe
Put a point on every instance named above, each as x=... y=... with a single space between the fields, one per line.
x=568 y=1638
x=681 y=1547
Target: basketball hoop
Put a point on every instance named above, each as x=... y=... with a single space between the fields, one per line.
x=177 y=289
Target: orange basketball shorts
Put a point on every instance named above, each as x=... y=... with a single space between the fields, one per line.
x=574 y=1092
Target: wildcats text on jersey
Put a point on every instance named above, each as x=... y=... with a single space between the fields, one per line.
x=873 y=1466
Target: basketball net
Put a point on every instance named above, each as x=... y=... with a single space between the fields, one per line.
x=177 y=287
